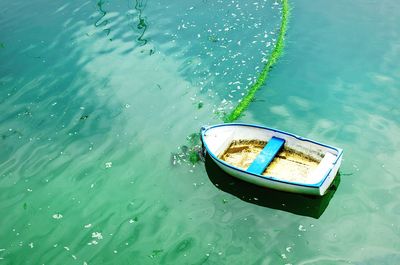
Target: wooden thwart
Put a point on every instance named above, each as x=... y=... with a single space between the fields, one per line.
x=266 y=156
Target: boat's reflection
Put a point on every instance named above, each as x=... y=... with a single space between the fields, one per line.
x=312 y=206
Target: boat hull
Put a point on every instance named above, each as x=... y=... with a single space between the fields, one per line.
x=216 y=139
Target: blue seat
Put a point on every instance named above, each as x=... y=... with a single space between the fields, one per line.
x=265 y=157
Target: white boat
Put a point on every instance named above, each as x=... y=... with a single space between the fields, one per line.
x=272 y=158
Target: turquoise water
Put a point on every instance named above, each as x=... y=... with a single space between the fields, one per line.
x=96 y=97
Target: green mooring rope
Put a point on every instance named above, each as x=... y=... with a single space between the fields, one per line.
x=191 y=152
x=272 y=59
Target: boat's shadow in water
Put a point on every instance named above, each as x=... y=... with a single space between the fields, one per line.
x=306 y=205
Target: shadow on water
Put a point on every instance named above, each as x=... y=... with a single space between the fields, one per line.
x=305 y=205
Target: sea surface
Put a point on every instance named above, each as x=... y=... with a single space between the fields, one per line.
x=101 y=102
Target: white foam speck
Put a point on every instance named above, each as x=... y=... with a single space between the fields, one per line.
x=302 y=228
x=97 y=235
x=57 y=216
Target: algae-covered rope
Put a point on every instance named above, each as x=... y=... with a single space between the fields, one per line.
x=192 y=152
x=271 y=61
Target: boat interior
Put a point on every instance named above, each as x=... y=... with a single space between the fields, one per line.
x=272 y=159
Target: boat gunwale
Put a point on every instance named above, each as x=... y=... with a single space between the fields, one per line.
x=270 y=178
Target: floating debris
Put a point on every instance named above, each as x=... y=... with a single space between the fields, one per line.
x=155 y=253
x=302 y=228
x=97 y=235
x=84 y=117
x=11 y=132
x=133 y=220
x=213 y=38
x=57 y=216
x=191 y=153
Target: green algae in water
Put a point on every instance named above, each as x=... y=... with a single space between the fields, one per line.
x=155 y=253
x=213 y=38
x=194 y=151
x=194 y=156
x=194 y=139
x=84 y=117
x=272 y=60
x=190 y=153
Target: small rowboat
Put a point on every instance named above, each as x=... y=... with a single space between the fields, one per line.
x=272 y=158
